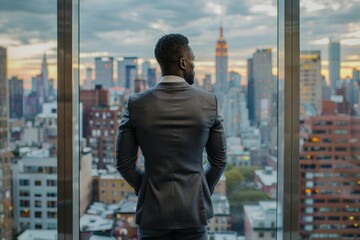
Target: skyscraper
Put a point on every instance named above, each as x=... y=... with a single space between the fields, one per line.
x=151 y=77
x=5 y=154
x=263 y=85
x=310 y=82
x=127 y=72
x=104 y=70
x=144 y=70
x=221 y=63
x=251 y=91
x=16 y=90
x=4 y=105
x=334 y=63
x=88 y=82
x=45 y=80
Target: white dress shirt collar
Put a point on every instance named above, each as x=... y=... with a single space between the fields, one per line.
x=171 y=78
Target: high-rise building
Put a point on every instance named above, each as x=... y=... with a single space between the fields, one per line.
x=264 y=86
x=127 y=72
x=334 y=63
x=310 y=81
x=34 y=182
x=235 y=79
x=104 y=70
x=5 y=154
x=144 y=70
x=251 y=91
x=151 y=77
x=207 y=86
x=221 y=62
x=329 y=186
x=356 y=75
x=88 y=82
x=16 y=89
x=45 y=80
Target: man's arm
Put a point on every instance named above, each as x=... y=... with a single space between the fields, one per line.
x=216 y=152
x=126 y=151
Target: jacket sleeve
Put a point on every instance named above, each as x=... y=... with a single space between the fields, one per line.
x=216 y=152
x=126 y=151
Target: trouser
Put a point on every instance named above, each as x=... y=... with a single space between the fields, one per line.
x=196 y=233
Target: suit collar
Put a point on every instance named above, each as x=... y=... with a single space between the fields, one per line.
x=172 y=85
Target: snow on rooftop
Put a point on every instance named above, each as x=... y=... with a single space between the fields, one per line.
x=95 y=223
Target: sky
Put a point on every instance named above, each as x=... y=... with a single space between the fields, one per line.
x=132 y=27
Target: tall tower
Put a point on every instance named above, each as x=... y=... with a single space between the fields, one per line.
x=310 y=82
x=334 y=63
x=45 y=78
x=104 y=70
x=127 y=72
x=221 y=54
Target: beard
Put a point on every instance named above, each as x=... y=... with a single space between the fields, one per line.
x=190 y=78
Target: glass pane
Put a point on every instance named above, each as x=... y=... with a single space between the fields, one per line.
x=235 y=46
x=28 y=119
x=329 y=190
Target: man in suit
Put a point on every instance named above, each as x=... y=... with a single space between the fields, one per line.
x=172 y=123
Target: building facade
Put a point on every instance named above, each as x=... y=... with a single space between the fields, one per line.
x=334 y=63
x=104 y=70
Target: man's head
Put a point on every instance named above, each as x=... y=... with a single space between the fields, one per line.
x=175 y=56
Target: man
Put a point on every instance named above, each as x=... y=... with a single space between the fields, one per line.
x=172 y=123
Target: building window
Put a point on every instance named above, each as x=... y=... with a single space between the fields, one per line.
x=51 y=214
x=25 y=213
x=24 y=182
x=38 y=226
x=38 y=203
x=38 y=214
x=24 y=203
x=51 y=183
x=37 y=182
x=261 y=234
x=51 y=204
x=24 y=194
x=51 y=194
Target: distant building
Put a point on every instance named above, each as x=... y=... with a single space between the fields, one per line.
x=264 y=86
x=334 y=63
x=16 y=89
x=140 y=85
x=221 y=65
x=110 y=188
x=34 y=181
x=145 y=66
x=127 y=72
x=103 y=126
x=221 y=220
x=356 y=75
x=220 y=187
x=266 y=181
x=237 y=155
x=251 y=91
x=235 y=79
x=207 y=86
x=85 y=177
x=151 y=77
x=310 y=81
x=260 y=221
x=104 y=70
x=88 y=82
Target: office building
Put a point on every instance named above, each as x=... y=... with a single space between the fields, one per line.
x=104 y=70
x=264 y=86
x=329 y=186
x=34 y=181
x=16 y=89
x=5 y=154
x=251 y=91
x=207 y=86
x=127 y=72
x=151 y=77
x=334 y=63
x=144 y=69
x=310 y=82
x=356 y=75
x=260 y=221
x=221 y=220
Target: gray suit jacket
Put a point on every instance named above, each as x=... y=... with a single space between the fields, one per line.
x=172 y=123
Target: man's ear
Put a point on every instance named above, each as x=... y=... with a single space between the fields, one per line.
x=182 y=63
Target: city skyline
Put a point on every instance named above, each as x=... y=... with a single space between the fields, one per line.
x=127 y=30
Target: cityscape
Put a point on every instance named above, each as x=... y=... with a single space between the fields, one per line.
x=250 y=100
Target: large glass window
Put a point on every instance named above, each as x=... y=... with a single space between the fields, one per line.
x=329 y=120
x=235 y=47
x=28 y=114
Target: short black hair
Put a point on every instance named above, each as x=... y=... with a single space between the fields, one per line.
x=170 y=48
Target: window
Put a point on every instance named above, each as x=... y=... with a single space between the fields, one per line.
x=51 y=183
x=37 y=182
x=24 y=203
x=38 y=214
x=51 y=204
x=24 y=182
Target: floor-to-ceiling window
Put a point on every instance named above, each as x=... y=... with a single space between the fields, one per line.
x=329 y=179
x=28 y=118
x=235 y=47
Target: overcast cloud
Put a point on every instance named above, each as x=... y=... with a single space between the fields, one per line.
x=132 y=27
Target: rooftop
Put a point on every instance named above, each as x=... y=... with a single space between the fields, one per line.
x=38 y=235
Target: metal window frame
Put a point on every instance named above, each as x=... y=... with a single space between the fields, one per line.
x=288 y=164
x=68 y=118
x=68 y=115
